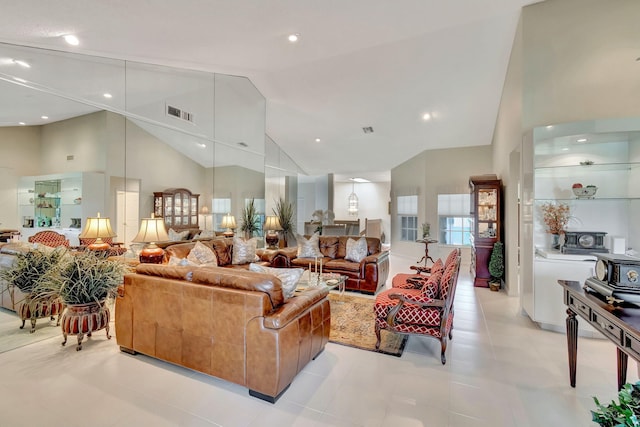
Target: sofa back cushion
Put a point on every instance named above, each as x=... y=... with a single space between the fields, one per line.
x=179 y=250
x=222 y=277
x=373 y=245
x=223 y=248
x=329 y=246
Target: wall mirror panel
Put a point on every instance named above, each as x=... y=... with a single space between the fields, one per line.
x=144 y=127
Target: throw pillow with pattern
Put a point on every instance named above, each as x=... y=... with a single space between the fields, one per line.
x=202 y=255
x=176 y=236
x=309 y=248
x=431 y=288
x=288 y=276
x=356 y=249
x=244 y=251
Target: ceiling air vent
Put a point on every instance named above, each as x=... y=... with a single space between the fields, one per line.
x=179 y=114
x=242 y=144
x=367 y=129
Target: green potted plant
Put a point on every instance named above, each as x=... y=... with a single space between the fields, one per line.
x=625 y=413
x=26 y=272
x=85 y=282
x=285 y=212
x=496 y=266
x=250 y=220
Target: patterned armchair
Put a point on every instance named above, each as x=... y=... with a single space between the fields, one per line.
x=416 y=280
x=427 y=311
x=49 y=238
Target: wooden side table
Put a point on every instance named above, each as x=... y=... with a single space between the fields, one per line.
x=423 y=268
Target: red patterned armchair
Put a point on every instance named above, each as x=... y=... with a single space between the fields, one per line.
x=426 y=311
x=49 y=238
x=416 y=280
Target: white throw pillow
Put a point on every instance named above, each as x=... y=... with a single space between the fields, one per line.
x=202 y=255
x=356 y=249
x=309 y=248
x=205 y=234
x=244 y=251
x=183 y=262
x=176 y=236
x=288 y=276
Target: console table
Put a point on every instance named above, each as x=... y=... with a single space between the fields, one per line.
x=620 y=324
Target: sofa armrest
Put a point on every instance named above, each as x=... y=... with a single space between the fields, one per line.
x=292 y=307
x=375 y=258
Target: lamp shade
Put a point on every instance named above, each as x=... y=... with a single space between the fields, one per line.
x=97 y=228
x=228 y=221
x=272 y=223
x=151 y=230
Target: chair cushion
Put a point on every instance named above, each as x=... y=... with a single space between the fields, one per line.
x=431 y=287
x=309 y=248
x=384 y=304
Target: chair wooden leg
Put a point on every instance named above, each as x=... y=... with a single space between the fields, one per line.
x=377 y=336
x=443 y=345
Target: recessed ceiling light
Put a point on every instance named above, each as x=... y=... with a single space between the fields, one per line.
x=22 y=123
x=550 y=127
x=71 y=39
x=582 y=140
x=317 y=139
x=202 y=145
x=359 y=180
x=107 y=95
x=293 y=37
x=44 y=117
x=565 y=149
x=22 y=63
x=426 y=116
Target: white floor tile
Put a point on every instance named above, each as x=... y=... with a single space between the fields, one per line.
x=501 y=370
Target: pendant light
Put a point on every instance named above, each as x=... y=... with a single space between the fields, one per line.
x=352 y=210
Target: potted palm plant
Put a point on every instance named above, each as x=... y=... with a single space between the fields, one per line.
x=85 y=283
x=284 y=211
x=250 y=220
x=26 y=272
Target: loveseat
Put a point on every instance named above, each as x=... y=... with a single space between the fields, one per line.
x=231 y=324
x=223 y=249
x=367 y=275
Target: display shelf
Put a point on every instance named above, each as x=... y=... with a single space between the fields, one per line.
x=178 y=207
x=487 y=224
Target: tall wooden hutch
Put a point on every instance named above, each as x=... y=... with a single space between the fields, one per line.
x=486 y=213
x=178 y=207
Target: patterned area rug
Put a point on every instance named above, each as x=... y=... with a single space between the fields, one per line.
x=352 y=324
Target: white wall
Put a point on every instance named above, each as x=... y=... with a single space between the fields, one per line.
x=428 y=174
x=373 y=200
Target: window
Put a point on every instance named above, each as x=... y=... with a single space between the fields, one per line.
x=408 y=214
x=221 y=207
x=455 y=222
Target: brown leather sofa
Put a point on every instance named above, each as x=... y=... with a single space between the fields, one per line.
x=231 y=324
x=223 y=248
x=366 y=276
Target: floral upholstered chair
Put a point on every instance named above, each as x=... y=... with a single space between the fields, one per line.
x=49 y=238
x=427 y=311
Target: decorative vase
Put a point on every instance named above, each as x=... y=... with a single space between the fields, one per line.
x=81 y=319
x=555 y=242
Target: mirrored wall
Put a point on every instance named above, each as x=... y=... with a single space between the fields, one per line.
x=115 y=132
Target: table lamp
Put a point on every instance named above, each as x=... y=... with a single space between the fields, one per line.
x=97 y=228
x=271 y=225
x=152 y=230
x=228 y=222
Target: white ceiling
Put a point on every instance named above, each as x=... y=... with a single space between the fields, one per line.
x=358 y=63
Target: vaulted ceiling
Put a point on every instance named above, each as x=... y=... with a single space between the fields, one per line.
x=357 y=63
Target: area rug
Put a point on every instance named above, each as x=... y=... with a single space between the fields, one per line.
x=352 y=324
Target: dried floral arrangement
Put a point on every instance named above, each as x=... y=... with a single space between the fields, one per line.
x=555 y=217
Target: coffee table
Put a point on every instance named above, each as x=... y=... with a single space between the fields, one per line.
x=330 y=280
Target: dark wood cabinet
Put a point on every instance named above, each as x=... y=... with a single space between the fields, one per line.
x=486 y=213
x=178 y=207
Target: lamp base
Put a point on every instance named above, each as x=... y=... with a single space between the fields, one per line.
x=99 y=246
x=228 y=234
x=272 y=241
x=152 y=255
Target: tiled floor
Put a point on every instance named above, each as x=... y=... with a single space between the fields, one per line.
x=501 y=371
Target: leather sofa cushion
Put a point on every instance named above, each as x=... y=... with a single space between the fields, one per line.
x=342 y=264
x=304 y=262
x=223 y=248
x=223 y=277
x=179 y=250
x=329 y=246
